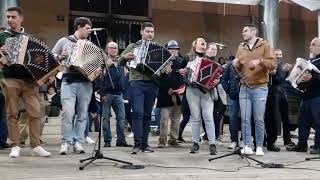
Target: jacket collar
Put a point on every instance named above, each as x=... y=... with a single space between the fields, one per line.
x=259 y=42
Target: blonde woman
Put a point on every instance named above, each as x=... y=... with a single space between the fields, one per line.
x=200 y=101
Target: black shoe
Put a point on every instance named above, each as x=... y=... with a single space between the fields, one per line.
x=312 y=146
x=289 y=143
x=147 y=149
x=273 y=148
x=297 y=148
x=315 y=150
x=107 y=145
x=213 y=149
x=124 y=144
x=181 y=140
x=135 y=149
x=195 y=148
x=4 y=145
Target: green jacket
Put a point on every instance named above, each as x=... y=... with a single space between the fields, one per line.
x=134 y=74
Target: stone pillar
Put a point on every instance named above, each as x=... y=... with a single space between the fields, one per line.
x=269 y=21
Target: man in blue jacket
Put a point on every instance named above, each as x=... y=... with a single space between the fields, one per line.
x=112 y=96
x=230 y=81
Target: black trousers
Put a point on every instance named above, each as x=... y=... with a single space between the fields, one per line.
x=276 y=112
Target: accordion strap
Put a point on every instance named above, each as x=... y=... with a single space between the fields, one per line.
x=72 y=39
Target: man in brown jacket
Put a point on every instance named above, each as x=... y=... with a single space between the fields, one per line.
x=254 y=60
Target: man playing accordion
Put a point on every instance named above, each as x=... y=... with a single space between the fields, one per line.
x=76 y=89
x=143 y=88
x=309 y=111
x=18 y=83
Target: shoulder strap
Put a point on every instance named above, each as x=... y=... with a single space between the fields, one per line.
x=70 y=38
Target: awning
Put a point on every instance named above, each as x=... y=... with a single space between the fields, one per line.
x=242 y=2
x=312 y=5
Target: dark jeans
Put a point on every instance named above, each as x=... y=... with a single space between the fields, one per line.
x=3 y=121
x=277 y=111
x=309 y=116
x=185 y=115
x=234 y=120
x=116 y=102
x=143 y=95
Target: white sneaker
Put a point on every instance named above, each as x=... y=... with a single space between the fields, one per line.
x=64 y=149
x=89 y=140
x=39 y=151
x=259 y=151
x=246 y=150
x=77 y=148
x=15 y=152
x=232 y=145
x=130 y=135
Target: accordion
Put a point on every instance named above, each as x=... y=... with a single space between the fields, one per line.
x=202 y=72
x=35 y=56
x=301 y=67
x=86 y=58
x=150 y=58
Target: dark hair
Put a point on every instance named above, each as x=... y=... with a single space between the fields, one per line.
x=81 y=21
x=17 y=9
x=146 y=24
x=2 y=28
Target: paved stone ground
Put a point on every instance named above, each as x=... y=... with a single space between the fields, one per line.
x=168 y=163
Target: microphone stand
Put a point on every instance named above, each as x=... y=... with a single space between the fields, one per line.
x=97 y=153
x=237 y=150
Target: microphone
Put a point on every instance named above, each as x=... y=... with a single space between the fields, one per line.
x=221 y=45
x=97 y=29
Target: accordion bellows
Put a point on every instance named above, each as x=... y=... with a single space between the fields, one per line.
x=202 y=72
x=150 y=58
x=87 y=59
x=33 y=55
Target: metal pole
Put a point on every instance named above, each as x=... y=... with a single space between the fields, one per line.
x=4 y=4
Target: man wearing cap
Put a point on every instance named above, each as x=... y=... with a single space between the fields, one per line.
x=168 y=98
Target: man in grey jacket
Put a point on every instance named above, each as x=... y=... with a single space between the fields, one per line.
x=76 y=90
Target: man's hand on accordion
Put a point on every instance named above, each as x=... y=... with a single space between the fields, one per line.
x=306 y=77
x=167 y=69
x=64 y=54
x=128 y=56
x=4 y=50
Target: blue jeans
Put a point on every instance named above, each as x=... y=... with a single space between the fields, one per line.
x=3 y=121
x=309 y=116
x=143 y=95
x=116 y=102
x=201 y=104
x=75 y=99
x=253 y=102
x=233 y=119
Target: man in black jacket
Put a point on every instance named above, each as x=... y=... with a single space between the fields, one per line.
x=112 y=97
x=169 y=100
x=277 y=105
x=309 y=111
